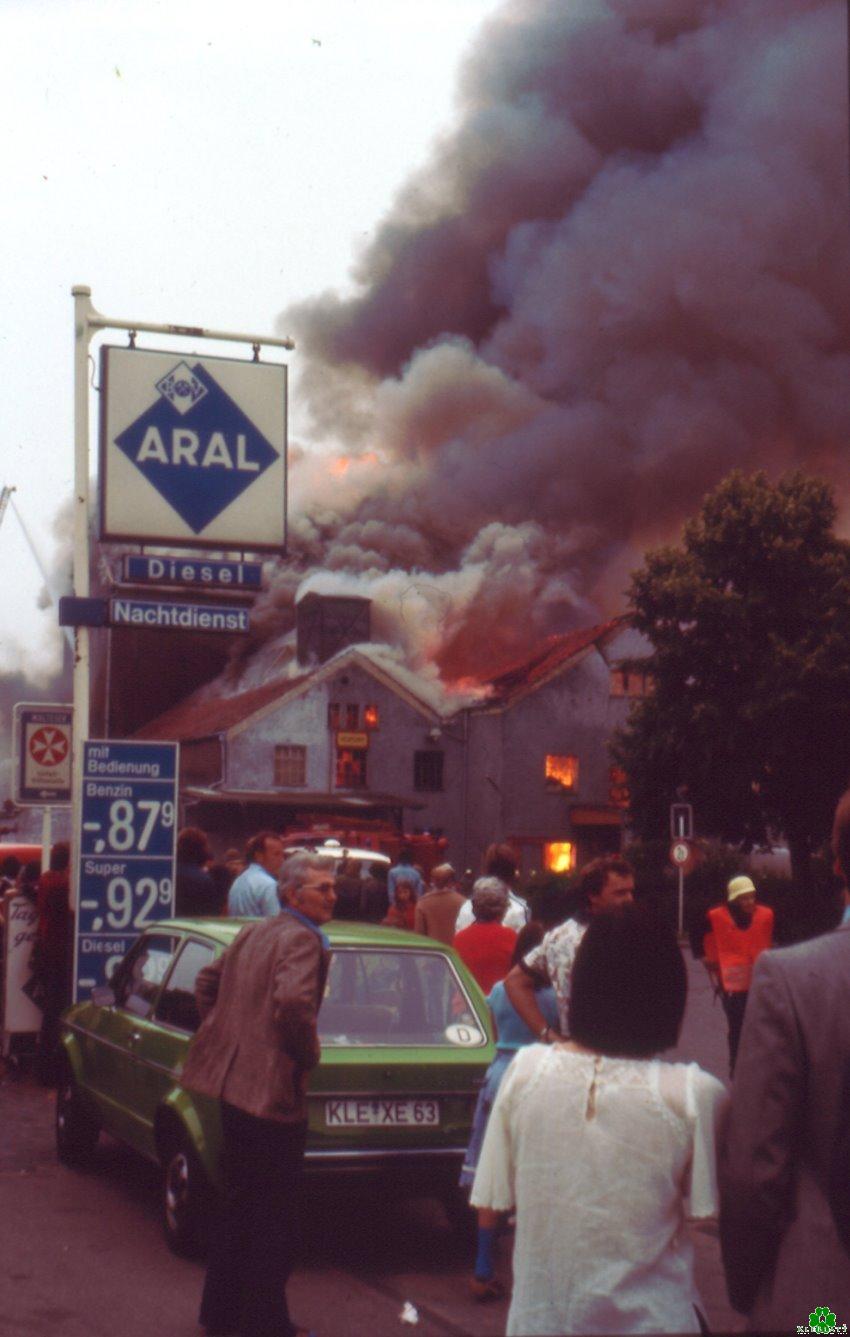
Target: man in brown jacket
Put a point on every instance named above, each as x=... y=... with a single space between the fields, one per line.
x=254 y=1050
x=438 y=909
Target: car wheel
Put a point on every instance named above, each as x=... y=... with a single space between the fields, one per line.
x=186 y=1196
x=77 y=1129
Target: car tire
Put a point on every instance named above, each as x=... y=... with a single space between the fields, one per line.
x=77 y=1128
x=186 y=1196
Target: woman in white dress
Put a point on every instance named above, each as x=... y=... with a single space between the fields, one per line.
x=603 y=1150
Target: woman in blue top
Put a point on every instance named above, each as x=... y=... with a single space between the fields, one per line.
x=511 y=1034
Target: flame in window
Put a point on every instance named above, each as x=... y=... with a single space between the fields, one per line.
x=561 y=771
x=559 y=856
x=370 y=717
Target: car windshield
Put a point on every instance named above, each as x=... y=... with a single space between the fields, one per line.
x=387 y=997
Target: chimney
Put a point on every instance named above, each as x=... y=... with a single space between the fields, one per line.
x=327 y=623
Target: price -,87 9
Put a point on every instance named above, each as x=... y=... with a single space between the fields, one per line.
x=130 y=826
x=134 y=904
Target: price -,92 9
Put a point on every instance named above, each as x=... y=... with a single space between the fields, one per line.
x=133 y=904
x=130 y=825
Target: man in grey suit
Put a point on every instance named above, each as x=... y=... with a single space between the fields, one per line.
x=782 y=1250
x=254 y=1050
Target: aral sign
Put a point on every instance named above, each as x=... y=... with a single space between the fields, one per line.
x=193 y=450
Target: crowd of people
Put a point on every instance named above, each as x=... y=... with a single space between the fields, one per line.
x=586 y=1142
x=586 y=1139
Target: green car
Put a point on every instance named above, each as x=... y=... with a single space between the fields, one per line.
x=406 y=1041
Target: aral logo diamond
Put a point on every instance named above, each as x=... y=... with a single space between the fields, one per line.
x=181 y=388
x=196 y=446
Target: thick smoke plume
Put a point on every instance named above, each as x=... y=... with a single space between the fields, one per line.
x=623 y=273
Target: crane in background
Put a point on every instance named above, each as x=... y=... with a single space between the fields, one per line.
x=7 y=500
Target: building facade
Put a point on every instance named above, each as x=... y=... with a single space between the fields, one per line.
x=360 y=741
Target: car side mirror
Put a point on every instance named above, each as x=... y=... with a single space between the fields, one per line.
x=102 y=996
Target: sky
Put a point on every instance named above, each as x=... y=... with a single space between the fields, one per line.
x=195 y=163
x=553 y=269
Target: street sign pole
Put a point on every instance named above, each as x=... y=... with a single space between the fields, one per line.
x=46 y=837
x=681 y=900
x=682 y=858
x=83 y=333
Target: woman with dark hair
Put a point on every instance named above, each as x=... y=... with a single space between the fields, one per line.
x=511 y=1034
x=604 y=1150
x=402 y=912
x=196 y=893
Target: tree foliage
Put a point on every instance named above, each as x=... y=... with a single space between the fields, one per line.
x=750 y=624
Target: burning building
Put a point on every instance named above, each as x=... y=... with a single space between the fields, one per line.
x=354 y=739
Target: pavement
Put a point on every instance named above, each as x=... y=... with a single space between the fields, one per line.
x=703 y=1041
x=81 y=1255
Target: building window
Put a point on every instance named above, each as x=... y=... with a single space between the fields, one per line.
x=562 y=772
x=334 y=716
x=352 y=716
x=628 y=682
x=290 y=766
x=351 y=768
x=559 y=856
x=618 y=787
x=371 y=719
x=428 y=770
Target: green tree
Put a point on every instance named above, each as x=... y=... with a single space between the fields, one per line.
x=750 y=624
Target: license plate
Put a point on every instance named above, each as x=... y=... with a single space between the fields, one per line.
x=360 y=1113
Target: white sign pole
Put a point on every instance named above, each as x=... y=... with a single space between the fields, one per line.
x=46 y=837
x=681 y=900
x=83 y=332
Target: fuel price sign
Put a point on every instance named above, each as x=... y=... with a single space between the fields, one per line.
x=127 y=842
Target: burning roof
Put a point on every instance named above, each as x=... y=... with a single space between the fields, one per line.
x=556 y=654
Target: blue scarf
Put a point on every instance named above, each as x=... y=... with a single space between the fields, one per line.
x=308 y=923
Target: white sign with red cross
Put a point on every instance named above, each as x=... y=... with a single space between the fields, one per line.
x=42 y=771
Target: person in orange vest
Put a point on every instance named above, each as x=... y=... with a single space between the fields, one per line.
x=738 y=932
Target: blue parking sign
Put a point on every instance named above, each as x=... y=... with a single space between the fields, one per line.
x=127 y=844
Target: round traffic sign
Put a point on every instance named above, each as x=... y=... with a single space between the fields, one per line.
x=681 y=855
x=49 y=746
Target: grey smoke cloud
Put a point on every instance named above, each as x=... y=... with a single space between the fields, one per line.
x=623 y=272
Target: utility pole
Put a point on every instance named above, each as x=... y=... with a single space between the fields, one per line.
x=83 y=333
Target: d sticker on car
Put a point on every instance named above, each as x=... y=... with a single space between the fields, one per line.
x=458 y=1034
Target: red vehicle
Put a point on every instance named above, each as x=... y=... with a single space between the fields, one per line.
x=26 y=853
x=428 y=851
